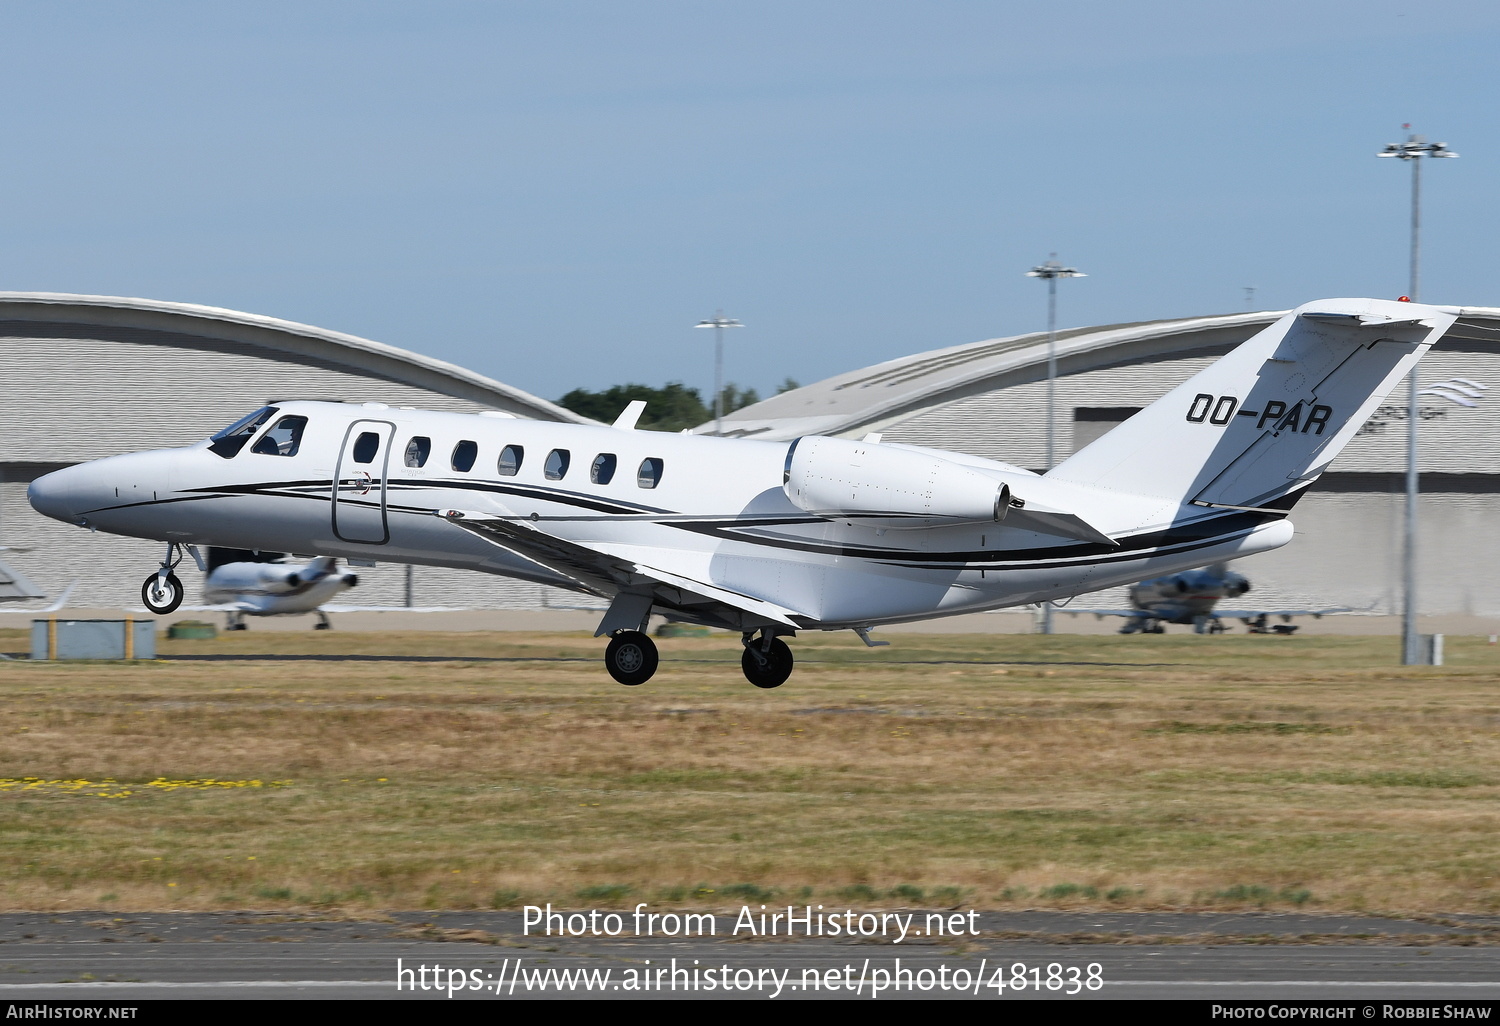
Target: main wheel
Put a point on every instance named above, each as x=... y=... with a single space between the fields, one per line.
x=772 y=668
x=161 y=597
x=631 y=658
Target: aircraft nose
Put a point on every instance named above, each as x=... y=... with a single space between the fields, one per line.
x=57 y=495
x=84 y=494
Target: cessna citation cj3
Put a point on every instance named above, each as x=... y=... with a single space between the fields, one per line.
x=769 y=538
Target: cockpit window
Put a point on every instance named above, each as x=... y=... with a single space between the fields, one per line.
x=231 y=440
x=464 y=454
x=283 y=439
x=417 y=451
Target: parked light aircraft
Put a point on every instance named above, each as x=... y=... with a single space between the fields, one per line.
x=769 y=538
x=258 y=586
x=1192 y=597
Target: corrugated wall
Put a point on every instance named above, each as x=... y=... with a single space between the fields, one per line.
x=69 y=399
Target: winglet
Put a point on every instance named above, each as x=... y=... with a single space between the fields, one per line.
x=629 y=415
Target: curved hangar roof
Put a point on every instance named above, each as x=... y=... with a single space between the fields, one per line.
x=876 y=398
x=89 y=376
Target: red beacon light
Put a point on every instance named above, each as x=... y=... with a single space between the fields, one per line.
x=1404 y=299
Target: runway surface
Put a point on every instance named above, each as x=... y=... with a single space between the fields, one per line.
x=490 y=956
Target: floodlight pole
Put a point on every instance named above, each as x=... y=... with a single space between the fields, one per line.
x=1050 y=272
x=719 y=322
x=1412 y=151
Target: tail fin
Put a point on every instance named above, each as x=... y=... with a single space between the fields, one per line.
x=1270 y=416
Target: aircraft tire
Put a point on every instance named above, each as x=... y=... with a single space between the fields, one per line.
x=774 y=671
x=631 y=658
x=161 y=597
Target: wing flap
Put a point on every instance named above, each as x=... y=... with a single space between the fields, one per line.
x=601 y=570
x=588 y=568
x=760 y=607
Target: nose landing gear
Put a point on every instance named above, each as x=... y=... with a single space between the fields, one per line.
x=767 y=662
x=162 y=591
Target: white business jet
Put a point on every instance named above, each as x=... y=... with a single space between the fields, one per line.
x=769 y=538
x=251 y=586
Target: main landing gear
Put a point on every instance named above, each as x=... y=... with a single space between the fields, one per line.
x=631 y=657
x=162 y=591
x=767 y=662
x=234 y=620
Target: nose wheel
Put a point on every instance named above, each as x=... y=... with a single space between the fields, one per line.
x=162 y=594
x=162 y=591
x=631 y=658
x=767 y=663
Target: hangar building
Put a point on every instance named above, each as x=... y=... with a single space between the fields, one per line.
x=989 y=399
x=92 y=376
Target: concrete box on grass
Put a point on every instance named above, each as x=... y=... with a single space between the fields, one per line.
x=93 y=639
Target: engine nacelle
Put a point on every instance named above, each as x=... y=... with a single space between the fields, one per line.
x=883 y=486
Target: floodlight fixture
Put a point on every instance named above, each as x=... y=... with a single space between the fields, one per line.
x=719 y=322
x=1050 y=272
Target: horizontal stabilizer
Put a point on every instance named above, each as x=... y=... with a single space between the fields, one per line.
x=1057 y=522
x=1366 y=320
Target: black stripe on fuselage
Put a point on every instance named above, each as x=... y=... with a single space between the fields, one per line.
x=1190 y=535
x=1202 y=532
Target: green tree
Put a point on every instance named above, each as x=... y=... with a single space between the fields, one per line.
x=734 y=399
x=673 y=407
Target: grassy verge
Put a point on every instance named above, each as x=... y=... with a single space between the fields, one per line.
x=499 y=769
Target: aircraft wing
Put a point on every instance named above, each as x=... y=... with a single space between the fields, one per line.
x=590 y=569
x=1250 y=614
x=1136 y=614
x=15 y=586
x=604 y=570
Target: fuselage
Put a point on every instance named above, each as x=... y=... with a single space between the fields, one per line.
x=274 y=589
x=369 y=482
x=1184 y=598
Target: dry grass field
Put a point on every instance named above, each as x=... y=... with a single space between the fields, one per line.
x=479 y=770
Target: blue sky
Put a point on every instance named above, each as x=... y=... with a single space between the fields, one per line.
x=554 y=193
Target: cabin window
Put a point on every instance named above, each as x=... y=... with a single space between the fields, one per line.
x=231 y=440
x=283 y=439
x=556 y=467
x=649 y=476
x=366 y=446
x=510 y=460
x=464 y=455
x=603 y=470
x=417 y=451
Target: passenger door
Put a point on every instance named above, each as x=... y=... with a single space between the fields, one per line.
x=359 y=491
